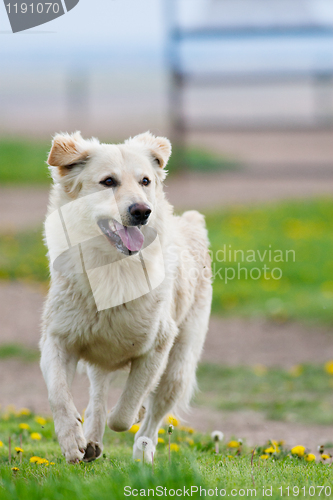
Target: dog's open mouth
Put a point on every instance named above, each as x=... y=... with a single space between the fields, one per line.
x=127 y=239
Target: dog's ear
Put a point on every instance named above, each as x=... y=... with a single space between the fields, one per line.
x=67 y=152
x=158 y=147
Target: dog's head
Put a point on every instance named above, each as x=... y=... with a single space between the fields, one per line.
x=113 y=187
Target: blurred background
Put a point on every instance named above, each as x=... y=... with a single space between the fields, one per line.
x=244 y=89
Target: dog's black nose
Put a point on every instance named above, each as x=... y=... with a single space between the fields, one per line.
x=139 y=212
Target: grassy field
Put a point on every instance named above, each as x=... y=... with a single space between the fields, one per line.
x=294 y=240
x=23 y=161
x=298 y=232
x=277 y=471
x=302 y=394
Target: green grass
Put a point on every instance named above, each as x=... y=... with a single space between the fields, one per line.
x=194 y=465
x=23 y=256
x=304 y=292
x=22 y=161
x=200 y=160
x=302 y=395
x=8 y=351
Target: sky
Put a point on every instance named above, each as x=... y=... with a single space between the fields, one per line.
x=132 y=33
x=91 y=31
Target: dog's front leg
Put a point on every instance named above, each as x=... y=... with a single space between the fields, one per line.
x=58 y=367
x=95 y=415
x=143 y=378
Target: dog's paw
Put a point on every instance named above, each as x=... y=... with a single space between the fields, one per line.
x=93 y=451
x=72 y=442
x=138 y=454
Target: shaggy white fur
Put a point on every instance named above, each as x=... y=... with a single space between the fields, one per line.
x=147 y=309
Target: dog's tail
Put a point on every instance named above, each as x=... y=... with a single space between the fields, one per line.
x=194 y=217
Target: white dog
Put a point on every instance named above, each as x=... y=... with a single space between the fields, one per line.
x=130 y=287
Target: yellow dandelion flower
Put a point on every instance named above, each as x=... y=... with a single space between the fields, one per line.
x=233 y=444
x=15 y=469
x=42 y=461
x=190 y=430
x=160 y=440
x=270 y=450
x=327 y=289
x=34 y=459
x=24 y=426
x=1 y=444
x=296 y=371
x=137 y=460
x=171 y=419
x=260 y=370
x=298 y=450
x=161 y=431
x=134 y=429
x=189 y=441
x=52 y=463
x=174 y=447
x=264 y=457
x=18 y=449
x=329 y=367
x=310 y=457
x=23 y=412
x=184 y=428
x=36 y=436
x=274 y=444
x=325 y=456
x=40 y=420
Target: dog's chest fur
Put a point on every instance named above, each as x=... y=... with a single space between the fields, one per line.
x=110 y=338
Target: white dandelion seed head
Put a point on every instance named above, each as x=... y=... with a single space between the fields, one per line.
x=170 y=429
x=144 y=444
x=217 y=436
x=240 y=441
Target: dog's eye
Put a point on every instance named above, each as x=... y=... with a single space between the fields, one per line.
x=145 y=181
x=109 y=182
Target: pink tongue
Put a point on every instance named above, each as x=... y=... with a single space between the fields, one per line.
x=131 y=236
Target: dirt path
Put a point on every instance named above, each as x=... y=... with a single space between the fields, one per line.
x=230 y=341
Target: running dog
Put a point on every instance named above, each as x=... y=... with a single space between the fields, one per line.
x=130 y=287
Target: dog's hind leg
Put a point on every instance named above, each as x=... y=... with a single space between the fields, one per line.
x=95 y=414
x=58 y=367
x=178 y=380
